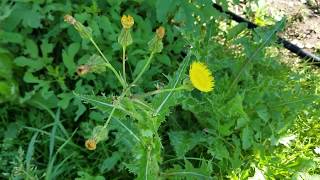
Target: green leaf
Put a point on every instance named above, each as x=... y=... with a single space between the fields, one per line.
x=218 y=149
x=86 y=176
x=30 y=150
x=263 y=113
x=34 y=65
x=236 y=30
x=46 y=48
x=8 y=91
x=189 y=172
x=162 y=9
x=68 y=57
x=139 y=67
x=11 y=37
x=109 y=162
x=247 y=138
x=6 y=66
x=184 y=141
x=65 y=100
x=31 y=48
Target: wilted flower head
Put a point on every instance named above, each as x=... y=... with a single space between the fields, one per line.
x=91 y=144
x=127 y=21
x=85 y=32
x=160 y=32
x=69 y=19
x=83 y=69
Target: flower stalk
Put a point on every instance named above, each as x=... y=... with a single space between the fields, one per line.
x=125 y=39
x=85 y=33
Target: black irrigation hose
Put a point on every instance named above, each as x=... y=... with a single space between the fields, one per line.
x=288 y=45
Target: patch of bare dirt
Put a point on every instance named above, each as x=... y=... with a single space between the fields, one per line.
x=303 y=28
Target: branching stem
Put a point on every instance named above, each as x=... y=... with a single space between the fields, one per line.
x=124 y=63
x=109 y=65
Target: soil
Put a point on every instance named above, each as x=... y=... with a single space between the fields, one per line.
x=303 y=28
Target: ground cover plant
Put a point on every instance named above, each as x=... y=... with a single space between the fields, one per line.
x=147 y=89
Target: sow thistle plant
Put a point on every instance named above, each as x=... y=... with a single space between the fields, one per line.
x=146 y=116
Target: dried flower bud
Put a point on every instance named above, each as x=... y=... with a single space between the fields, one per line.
x=155 y=44
x=85 y=32
x=69 y=19
x=127 y=21
x=91 y=144
x=83 y=69
x=160 y=32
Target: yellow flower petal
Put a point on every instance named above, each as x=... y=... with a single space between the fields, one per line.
x=127 y=21
x=201 y=77
x=91 y=144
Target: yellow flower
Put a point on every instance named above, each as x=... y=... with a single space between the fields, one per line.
x=127 y=21
x=91 y=144
x=201 y=77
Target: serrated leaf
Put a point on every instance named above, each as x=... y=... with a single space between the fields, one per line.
x=219 y=150
x=183 y=141
x=232 y=33
x=189 y=172
x=109 y=162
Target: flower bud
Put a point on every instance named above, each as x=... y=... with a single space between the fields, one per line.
x=127 y=21
x=156 y=45
x=69 y=19
x=125 y=38
x=94 y=64
x=100 y=133
x=83 y=69
x=97 y=64
x=91 y=144
x=160 y=32
x=85 y=32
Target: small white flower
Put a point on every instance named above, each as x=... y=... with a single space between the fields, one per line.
x=317 y=150
x=258 y=175
x=286 y=140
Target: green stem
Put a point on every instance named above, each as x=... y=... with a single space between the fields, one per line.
x=162 y=91
x=124 y=92
x=109 y=65
x=124 y=63
x=109 y=118
x=143 y=69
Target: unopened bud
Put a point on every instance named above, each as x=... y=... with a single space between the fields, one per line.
x=127 y=21
x=125 y=38
x=100 y=133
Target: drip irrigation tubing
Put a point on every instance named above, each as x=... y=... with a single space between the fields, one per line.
x=287 y=44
